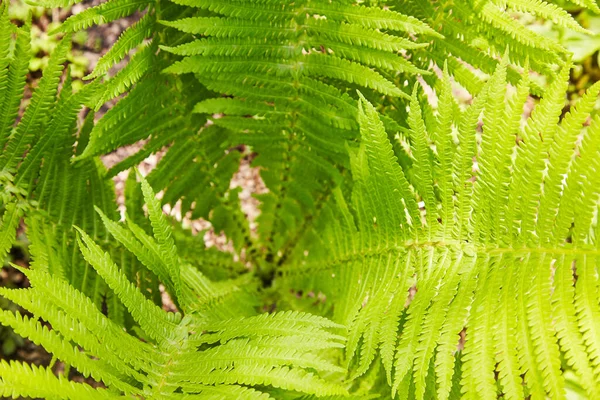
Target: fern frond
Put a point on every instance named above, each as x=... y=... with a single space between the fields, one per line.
x=129 y=40
x=43 y=182
x=504 y=336
x=5 y=41
x=562 y=152
x=56 y=344
x=474 y=30
x=592 y=5
x=141 y=114
x=162 y=233
x=103 y=13
x=58 y=133
x=281 y=61
x=16 y=381
x=279 y=69
x=71 y=329
x=143 y=253
x=455 y=248
x=12 y=78
x=462 y=261
x=373 y=18
x=148 y=315
x=13 y=212
x=128 y=76
x=446 y=359
x=75 y=304
x=280 y=324
x=547 y=11
x=252 y=351
x=36 y=113
x=423 y=167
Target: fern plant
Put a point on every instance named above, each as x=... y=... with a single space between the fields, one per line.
x=478 y=32
x=402 y=251
x=495 y=232
x=216 y=348
x=286 y=74
x=481 y=263
x=37 y=179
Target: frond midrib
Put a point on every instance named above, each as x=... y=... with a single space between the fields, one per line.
x=448 y=245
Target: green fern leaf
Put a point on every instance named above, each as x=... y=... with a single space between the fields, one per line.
x=490 y=246
x=35 y=115
x=105 y=12
x=128 y=76
x=151 y=318
x=17 y=377
x=129 y=39
x=12 y=76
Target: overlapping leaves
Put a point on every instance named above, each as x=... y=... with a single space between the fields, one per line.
x=492 y=236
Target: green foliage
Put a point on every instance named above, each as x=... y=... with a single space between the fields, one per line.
x=217 y=348
x=504 y=250
x=286 y=74
x=478 y=32
x=408 y=246
x=281 y=65
x=38 y=180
